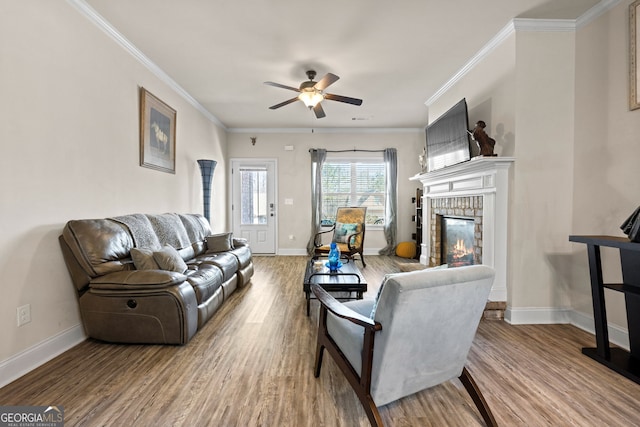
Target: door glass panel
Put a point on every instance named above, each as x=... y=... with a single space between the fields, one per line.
x=253 y=199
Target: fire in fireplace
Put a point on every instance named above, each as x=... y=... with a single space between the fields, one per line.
x=457 y=241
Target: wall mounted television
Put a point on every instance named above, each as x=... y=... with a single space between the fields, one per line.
x=448 y=138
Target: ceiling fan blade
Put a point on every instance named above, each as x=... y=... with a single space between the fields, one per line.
x=354 y=101
x=319 y=111
x=282 y=86
x=282 y=104
x=326 y=81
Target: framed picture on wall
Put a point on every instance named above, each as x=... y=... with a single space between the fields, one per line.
x=157 y=133
x=634 y=55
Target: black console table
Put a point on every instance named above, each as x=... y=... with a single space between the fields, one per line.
x=624 y=362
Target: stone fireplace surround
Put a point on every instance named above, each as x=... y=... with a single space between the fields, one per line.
x=478 y=188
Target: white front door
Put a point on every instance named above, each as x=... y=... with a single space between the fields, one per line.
x=253 y=184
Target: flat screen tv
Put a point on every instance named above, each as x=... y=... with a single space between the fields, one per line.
x=448 y=138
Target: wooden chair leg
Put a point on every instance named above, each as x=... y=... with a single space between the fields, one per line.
x=318 y=363
x=477 y=397
x=370 y=409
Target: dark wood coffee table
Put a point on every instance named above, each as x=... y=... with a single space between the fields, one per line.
x=347 y=279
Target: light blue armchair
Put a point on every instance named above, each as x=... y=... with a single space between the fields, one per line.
x=423 y=324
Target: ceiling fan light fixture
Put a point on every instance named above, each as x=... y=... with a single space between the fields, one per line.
x=311 y=98
x=311 y=93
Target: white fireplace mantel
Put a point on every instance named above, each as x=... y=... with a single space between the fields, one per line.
x=481 y=176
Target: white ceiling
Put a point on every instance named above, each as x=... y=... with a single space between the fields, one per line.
x=393 y=55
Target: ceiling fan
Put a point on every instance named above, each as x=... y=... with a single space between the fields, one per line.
x=312 y=93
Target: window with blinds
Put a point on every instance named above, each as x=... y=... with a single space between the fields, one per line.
x=353 y=183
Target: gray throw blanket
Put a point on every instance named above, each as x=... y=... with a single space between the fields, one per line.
x=141 y=230
x=196 y=230
x=170 y=230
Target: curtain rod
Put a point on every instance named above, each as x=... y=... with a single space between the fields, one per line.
x=346 y=151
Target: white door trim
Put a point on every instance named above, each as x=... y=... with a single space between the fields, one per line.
x=240 y=160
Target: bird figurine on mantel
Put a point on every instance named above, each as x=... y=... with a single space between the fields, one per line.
x=485 y=143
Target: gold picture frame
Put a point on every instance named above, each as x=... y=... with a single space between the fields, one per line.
x=634 y=55
x=157 y=133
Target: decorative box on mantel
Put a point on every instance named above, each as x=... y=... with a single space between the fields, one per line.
x=477 y=189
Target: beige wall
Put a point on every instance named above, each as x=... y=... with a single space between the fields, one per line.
x=607 y=147
x=542 y=192
x=69 y=135
x=294 y=176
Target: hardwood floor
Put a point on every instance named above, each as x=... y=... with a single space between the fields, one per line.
x=252 y=365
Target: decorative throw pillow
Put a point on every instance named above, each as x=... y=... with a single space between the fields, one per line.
x=343 y=231
x=143 y=259
x=169 y=259
x=219 y=242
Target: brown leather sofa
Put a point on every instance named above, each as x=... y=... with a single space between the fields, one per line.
x=153 y=279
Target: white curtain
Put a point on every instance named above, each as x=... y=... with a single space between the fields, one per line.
x=391 y=208
x=318 y=157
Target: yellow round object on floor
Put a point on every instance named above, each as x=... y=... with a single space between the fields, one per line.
x=406 y=249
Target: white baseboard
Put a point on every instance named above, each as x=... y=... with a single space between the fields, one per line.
x=292 y=252
x=536 y=315
x=372 y=251
x=18 y=365
x=617 y=334
x=541 y=316
x=303 y=252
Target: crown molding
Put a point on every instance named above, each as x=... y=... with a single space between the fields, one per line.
x=544 y=25
x=496 y=41
x=324 y=130
x=93 y=16
x=524 y=25
x=595 y=12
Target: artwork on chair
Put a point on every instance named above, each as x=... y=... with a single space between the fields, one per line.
x=157 y=133
x=634 y=74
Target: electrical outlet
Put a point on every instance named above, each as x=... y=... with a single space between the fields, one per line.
x=24 y=314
